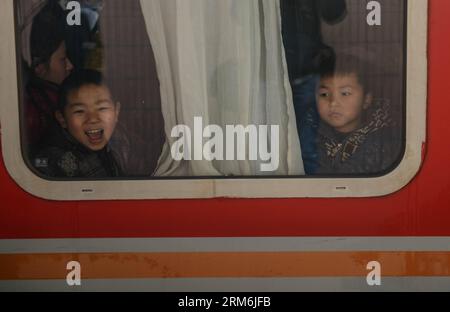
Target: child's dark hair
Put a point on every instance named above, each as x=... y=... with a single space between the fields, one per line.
x=346 y=64
x=75 y=81
x=47 y=33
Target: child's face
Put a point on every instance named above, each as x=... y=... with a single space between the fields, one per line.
x=58 y=68
x=90 y=116
x=341 y=102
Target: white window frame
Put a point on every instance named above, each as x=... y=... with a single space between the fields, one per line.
x=416 y=99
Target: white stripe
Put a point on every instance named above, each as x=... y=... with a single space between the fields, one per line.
x=225 y=245
x=235 y=285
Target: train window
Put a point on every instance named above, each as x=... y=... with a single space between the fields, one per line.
x=138 y=99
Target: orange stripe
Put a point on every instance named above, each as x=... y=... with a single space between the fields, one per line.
x=191 y=265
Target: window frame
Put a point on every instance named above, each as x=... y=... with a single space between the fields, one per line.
x=285 y=187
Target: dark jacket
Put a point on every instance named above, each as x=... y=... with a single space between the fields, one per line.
x=39 y=120
x=302 y=36
x=371 y=149
x=64 y=157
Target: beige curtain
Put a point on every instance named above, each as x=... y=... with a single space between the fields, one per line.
x=222 y=60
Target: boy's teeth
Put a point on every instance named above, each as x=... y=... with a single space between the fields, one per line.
x=94 y=131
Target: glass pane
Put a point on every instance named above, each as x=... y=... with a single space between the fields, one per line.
x=226 y=88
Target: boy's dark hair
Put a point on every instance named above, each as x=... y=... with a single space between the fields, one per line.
x=346 y=64
x=75 y=81
x=47 y=33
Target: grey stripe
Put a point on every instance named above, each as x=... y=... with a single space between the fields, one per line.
x=225 y=245
x=235 y=285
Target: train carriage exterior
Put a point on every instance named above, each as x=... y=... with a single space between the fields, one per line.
x=254 y=234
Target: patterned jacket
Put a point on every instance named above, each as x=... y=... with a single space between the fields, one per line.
x=64 y=157
x=371 y=149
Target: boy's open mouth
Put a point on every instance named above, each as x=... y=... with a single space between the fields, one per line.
x=335 y=115
x=95 y=135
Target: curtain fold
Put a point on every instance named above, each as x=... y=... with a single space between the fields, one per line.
x=223 y=61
